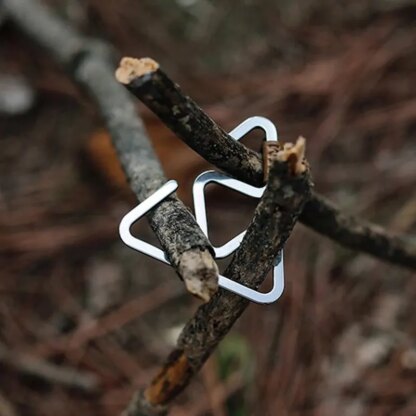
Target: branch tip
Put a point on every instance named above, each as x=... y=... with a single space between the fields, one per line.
x=199 y=273
x=291 y=153
x=294 y=155
x=131 y=68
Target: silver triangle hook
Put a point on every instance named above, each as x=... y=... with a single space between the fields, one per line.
x=136 y=213
x=139 y=245
x=198 y=191
x=222 y=179
x=199 y=202
x=254 y=295
x=232 y=245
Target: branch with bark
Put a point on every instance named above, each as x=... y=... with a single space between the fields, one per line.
x=204 y=331
x=288 y=189
x=148 y=82
x=89 y=63
x=288 y=196
x=52 y=373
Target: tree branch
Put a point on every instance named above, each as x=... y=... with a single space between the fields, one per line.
x=186 y=119
x=324 y=217
x=182 y=115
x=88 y=62
x=286 y=198
x=47 y=371
x=287 y=190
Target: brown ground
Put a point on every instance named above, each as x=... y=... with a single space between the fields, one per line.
x=341 y=340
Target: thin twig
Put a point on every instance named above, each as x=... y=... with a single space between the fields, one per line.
x=6 y=406
x=89 y=64
x=112 y=321
x=325 y=218
x=47 y=371
x=287 y=190
x=189 y=122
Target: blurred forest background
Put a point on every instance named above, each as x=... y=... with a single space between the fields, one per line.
x=84 y=320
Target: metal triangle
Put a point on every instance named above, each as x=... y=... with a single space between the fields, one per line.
x=211 y=176
x=136 y=213
x=228 y=248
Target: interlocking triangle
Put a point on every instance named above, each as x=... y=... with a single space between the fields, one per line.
x=138 y=212
x=199 y=200
x=201 y=216
x=222 y=179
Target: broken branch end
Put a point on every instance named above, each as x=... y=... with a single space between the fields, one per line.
x=132 y=68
